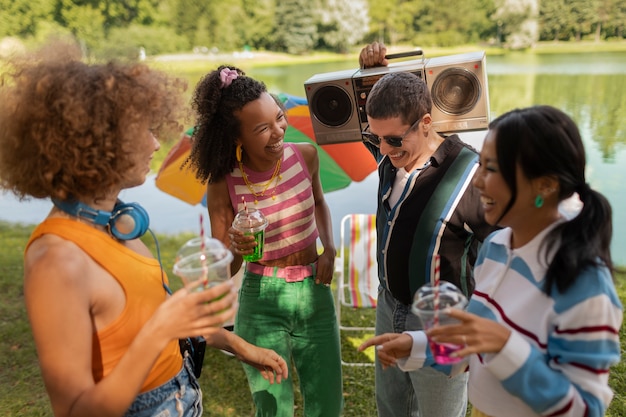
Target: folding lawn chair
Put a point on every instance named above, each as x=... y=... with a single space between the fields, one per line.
x=357 y=285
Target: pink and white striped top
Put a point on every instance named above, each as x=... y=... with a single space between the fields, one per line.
x=291 y=214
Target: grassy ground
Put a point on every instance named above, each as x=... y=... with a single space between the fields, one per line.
x=223 y=381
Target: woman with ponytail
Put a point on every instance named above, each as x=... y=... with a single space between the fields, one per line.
x=542 y=327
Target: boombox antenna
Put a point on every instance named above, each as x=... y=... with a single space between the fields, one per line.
x=416 y=52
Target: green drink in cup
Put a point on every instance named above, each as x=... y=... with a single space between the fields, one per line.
x=252 y=222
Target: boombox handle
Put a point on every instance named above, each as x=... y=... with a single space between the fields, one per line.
x=406 y=54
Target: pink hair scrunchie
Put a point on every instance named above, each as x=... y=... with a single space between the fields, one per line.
x=227 y=76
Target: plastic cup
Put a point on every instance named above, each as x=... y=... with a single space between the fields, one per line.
x=212 y=265
x=195 y=245
x=424 y=307
x=252 y=222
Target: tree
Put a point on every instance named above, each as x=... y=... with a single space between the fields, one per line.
x=519 y=22
x=608 y=10
x=381 y=20
x=617 y=22
x=85 y=20
x=259 y=25
x=186 y=18
x=582 y=15
x=225 y=23
x=296 y=29
x=21 y=17
x=342 y=24
x=450 y=22
x=552 y=20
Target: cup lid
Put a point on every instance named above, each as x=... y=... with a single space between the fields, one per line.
x=250 y=219
x=194 y=245
x=449 y=296
x=210 y=262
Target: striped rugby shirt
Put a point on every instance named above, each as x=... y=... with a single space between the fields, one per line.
x=291 y=214
x=557 y=360
x=439 y=212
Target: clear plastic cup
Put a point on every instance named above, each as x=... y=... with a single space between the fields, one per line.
x=252 y=222
x=195 y=245
x=211 y=265
x=424 y=307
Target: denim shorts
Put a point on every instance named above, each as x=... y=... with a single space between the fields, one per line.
x=179 y=397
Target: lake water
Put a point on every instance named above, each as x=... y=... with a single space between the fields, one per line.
x=587 y=86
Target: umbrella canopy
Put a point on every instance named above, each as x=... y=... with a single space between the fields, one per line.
x=340 y=164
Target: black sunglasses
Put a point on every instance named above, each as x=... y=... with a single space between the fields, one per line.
x=395 y=141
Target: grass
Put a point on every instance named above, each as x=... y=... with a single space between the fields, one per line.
x=223 y=382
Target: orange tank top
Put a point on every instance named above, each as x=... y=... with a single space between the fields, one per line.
x=140 y=277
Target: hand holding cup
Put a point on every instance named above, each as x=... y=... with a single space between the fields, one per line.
x=251 y=222
x=430 y=305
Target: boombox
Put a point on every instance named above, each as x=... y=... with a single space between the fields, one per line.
x=457 y=84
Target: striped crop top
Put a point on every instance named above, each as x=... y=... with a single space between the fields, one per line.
x=288 y=205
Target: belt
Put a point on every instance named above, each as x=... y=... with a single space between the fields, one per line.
x=293 y=273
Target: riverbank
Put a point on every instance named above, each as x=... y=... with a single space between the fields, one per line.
x=189 y=61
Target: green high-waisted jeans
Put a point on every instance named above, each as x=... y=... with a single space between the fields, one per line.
x=298 y=321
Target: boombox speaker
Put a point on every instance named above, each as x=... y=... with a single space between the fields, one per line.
x=459 y=90
x=458 y=85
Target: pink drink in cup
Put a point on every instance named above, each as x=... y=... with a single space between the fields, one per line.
x=424 y=307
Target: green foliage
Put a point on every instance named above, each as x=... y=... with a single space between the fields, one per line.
x=225 y=24
x=126 y=42
x=342 y=24
x=260 y=24
x=617 y=377
x=296 y=31
x=185 y=19
x=431 y=22
x=20 y=379
x=300 y=26
x=21 y=17
x=518 y=22
x=552 y=21
x=85 y=22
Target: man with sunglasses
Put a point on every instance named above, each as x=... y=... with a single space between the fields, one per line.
x=426 y=207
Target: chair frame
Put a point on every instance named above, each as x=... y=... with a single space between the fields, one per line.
x=345 y=283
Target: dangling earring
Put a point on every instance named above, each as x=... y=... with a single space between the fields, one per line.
x=539 y=201
x=238 y=153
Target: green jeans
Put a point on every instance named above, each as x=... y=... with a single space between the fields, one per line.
x=298 y=321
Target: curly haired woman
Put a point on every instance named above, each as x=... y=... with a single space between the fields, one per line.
x=239 y=148
x=105 y=329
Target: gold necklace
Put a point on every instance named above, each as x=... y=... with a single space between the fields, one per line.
x=275 y=176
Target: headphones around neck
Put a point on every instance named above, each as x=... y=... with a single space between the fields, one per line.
x=127 y=221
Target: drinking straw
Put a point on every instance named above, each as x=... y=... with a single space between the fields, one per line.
x=245 y=208
x=202 y=250
x=436 y=291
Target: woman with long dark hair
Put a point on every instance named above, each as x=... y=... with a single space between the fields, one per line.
x=542 y=327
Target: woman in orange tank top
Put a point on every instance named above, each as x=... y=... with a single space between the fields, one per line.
x=105 y=329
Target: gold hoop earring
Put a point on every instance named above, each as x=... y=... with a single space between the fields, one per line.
x=238 y=153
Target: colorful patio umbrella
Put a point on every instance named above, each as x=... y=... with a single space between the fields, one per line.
x=340 y=164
